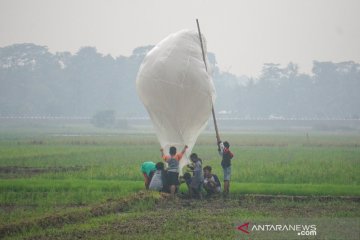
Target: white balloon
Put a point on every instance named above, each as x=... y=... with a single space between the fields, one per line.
x=176 y=90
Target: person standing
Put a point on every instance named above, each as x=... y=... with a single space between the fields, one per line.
x=197 y=179
x=173 y=170
x=227 y=155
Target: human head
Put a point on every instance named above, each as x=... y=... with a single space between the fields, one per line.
x=172 y=151
x=226 y=144
x=207 y=171
x=187 y=176
x=160 y=166
x=193 y=157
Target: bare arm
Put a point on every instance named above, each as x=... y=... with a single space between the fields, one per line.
x=162 y=152
x=184 y=149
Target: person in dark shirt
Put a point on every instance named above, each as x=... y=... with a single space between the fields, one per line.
x=211 y=181
x=227 y=155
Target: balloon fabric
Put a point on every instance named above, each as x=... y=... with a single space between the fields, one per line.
x=176 y=90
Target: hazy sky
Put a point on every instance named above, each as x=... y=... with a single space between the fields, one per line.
x=243 y=34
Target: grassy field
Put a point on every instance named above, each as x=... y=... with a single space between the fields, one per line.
x=56 y=186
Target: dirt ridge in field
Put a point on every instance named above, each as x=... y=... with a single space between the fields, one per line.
x=58 y=220
x=265 y=198
x=124 y=204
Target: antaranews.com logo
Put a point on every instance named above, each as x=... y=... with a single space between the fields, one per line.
x=298 y=229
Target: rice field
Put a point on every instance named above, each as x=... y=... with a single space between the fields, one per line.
x=50 y=175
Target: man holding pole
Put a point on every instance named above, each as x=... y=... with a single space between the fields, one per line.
x=227 y=155
x=223 y=148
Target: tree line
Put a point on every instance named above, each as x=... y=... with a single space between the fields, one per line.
x=36 y=81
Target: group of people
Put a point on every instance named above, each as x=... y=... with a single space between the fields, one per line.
x=196 y=177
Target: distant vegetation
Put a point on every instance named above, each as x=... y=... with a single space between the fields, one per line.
x=104 y=119
x=35 y=81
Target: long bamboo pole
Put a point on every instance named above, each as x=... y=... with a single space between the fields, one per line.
x=204 y=59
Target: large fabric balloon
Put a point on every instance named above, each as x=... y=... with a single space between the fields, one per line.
x=176 y=90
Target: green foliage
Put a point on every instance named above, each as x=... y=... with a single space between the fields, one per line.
x=82 y=83
x=53 y=175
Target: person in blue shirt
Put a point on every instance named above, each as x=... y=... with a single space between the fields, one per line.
x=194 y=182
x=197 y=179
x=148 y=169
